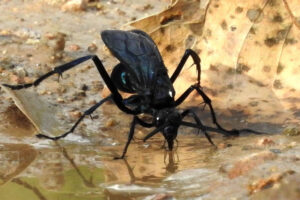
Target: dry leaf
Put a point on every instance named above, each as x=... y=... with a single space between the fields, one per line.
x=40 y=112
x=249 y=52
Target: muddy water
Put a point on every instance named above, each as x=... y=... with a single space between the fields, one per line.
x=85 y=171
x=82 y=166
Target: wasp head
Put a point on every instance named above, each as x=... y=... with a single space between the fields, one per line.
x=170 y=119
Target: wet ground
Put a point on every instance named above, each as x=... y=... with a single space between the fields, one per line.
x=37 y=35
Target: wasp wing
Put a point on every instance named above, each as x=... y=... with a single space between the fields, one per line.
x=139 y=54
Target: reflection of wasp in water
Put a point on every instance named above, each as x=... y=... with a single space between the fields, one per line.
x=142 y=73
x=87 y=182
x=171 y=165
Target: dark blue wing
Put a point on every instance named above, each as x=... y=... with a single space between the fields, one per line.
x=139 y=54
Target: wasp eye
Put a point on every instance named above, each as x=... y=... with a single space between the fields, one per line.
x=123 y=78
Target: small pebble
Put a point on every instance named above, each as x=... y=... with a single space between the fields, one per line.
x=28 y=80
x=42 y=92
x=21 y=72
x=60 y=100
x=92 y=48
x=32 y=41
x=223 y=145
x=74 y=5
x=145 y=7
x=110 y=122
x=80 y=94
x=75 y=115
x=57 y=56
x=15 y=79
x=84 y=87
x=292 y=144
x=265 y=142
x=139 y=134
x=120 y=12
x=92 y=102
x=61 y=90
x=74 y=47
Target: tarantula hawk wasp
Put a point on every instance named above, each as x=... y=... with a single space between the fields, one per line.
x=142 y=73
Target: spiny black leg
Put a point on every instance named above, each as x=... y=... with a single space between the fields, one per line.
x=214 y=119
x=217 y=130
x=136 y=120
x=118 y=99
x=196 y=118
x=208 y=102
x=197 y=61
x=184 y=95
x=62 y=68
x=198 y=121
x=155 y=131
x=131 y=133
x=57 y=70
x=194 y=55
x=130 y=136
x=207 y=128
x=143 y=123
x=87 y=112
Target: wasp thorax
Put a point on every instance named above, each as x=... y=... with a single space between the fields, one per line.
x=168 y=117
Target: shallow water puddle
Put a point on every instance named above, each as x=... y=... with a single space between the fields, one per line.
x=76 y=171
x=84 y=168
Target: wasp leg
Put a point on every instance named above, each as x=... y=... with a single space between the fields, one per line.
x=143 y=123
x=136 y=120
x=116 y=96
x=155 y=131
x=194 y=55
x=206 y=101
x=57 y=70
x=200 y=125
x=216 y=130
x=87 y=112
x=207 y=128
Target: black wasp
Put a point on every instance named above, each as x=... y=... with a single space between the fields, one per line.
x=142 y=73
